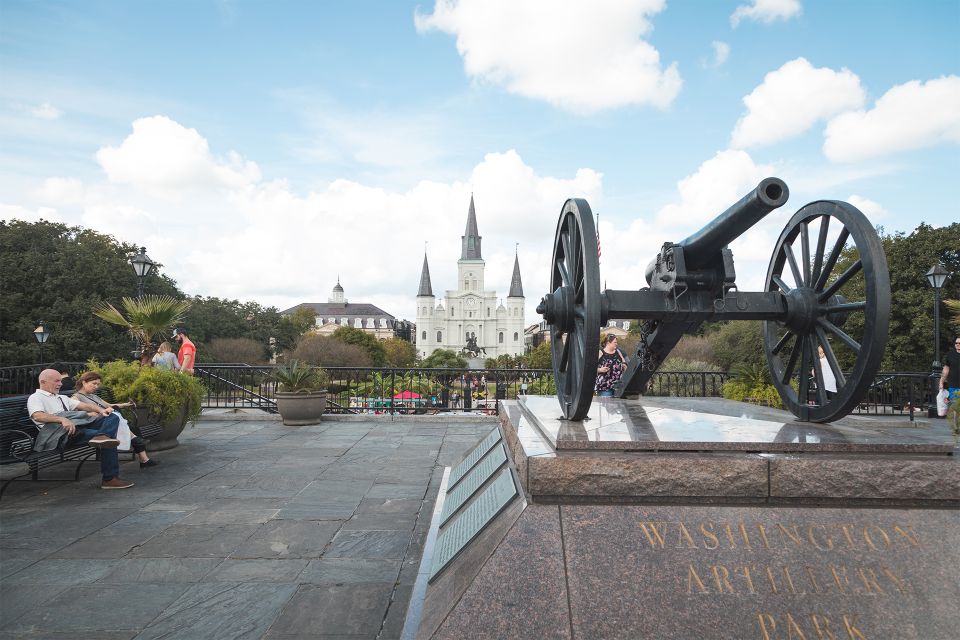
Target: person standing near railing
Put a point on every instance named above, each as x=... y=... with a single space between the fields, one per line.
x=164 y=359
x=187 y=356
x=950 y=376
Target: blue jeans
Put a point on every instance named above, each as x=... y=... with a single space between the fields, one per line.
x=104 y=425
x=605 y=393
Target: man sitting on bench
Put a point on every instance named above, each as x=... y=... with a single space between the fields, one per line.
x=44 y=406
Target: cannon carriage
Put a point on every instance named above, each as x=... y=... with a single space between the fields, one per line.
x=827 y=285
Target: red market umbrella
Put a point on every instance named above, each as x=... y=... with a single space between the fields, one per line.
x=407 y=395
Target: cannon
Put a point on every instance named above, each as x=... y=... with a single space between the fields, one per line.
x=827 y=285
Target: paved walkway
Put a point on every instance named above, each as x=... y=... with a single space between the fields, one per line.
x=249 y=529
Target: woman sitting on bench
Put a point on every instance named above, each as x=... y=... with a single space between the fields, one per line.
x=87 y=387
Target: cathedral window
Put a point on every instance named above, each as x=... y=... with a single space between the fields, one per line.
x=451 y=312
x=466 y=285
x=516 y=336
x=501 y=337
x=423 y=336
x=439 y=336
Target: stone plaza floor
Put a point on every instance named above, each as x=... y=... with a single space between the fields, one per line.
x=248 y=529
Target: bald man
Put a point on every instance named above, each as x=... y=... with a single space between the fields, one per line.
x=44 y=407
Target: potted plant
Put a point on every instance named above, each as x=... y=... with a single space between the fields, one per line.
x=301 y=394
x=167 y=397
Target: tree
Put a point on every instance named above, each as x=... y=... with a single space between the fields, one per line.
x=240 y=350
x=400 y=353
x=736 y=343
x=444 y=358
x=364 y=340
x=149 y=319
x=213 y=318
x=504 y=361
x=57 y=273
x=291 y=327
x=540 y=357
x=329 y=352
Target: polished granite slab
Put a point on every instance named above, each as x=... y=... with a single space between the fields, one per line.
x=714 y=424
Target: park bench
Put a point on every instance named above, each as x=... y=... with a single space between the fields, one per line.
x=17 y=435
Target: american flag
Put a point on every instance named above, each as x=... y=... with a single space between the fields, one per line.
x=599 y=253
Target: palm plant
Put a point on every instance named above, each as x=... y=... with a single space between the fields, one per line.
x=147 y=317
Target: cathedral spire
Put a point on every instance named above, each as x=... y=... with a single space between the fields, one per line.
x=426 y=289
x=516 y=286
x=471 y=237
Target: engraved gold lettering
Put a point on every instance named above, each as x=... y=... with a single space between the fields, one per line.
x=706 y=528
x=840 y=578
x=794 y=536
x=789 y=578
x=729 y=532
x=853 y=633
x=684 y=535
x=767 y=625
x=869 y=579
x=722 y=580
x=909 y=534
x=827 y=544
x=813 y=579
x=763 y=535
x=821 y=625
x=869 y=538
x=794 y=628
x=653 y=534
x=773 y=582
x=846 y=534
x=743 y=534
x=694 y=579
x=745 y=571
x=902 y=585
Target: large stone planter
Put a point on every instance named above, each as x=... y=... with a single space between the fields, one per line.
x=167 y=438
x=301 y=408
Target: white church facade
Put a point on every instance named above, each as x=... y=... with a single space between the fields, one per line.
x=470 y=311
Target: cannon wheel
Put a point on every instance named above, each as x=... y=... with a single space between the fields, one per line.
x=574 y=313
x=838 y=297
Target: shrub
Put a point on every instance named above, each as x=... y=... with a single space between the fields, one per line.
x=330 y=352
x=164 y=393
x=242 y=350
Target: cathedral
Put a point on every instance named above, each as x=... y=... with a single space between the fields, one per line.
x=471 y=312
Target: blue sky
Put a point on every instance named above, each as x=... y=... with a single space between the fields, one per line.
x=259 y=149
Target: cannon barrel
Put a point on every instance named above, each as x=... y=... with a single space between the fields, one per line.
x=703 y=246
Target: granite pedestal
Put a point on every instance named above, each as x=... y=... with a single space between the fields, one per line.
x=650 y=520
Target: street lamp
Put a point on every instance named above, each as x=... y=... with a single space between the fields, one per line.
x=41 y=334
x=937 y=276
x=143 y=265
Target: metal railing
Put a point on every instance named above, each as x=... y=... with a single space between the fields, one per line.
x=419 y=391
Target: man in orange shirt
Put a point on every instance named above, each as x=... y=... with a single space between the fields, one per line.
x=187 y=355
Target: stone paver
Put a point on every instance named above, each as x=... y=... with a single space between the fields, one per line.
x=248 y=529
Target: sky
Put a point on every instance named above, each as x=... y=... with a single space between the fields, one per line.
x=260 y=150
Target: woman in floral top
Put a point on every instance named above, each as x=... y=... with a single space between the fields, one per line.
x=610 y=367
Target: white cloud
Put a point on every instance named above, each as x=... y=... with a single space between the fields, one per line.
x=62 y=191
x=721 y=51
x=163 y=156
x=912 y=115
x=18 y=212
x=46 y=111
x=766 y=11
x=580 y=56
x=792 y=99
x=873 y=210
x=717 y=183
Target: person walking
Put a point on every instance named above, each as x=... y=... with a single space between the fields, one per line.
x=610 y=366
x=950 y=376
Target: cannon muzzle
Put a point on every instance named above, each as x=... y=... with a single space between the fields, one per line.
x=703 y=246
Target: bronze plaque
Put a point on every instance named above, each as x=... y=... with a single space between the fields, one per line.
x=457 y=473
x=473 y=481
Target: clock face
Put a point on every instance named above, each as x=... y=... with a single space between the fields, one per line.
x=471 y=302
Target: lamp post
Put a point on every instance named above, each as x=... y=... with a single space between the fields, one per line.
x=937 y=276
x=41 y=334
x=143 y=265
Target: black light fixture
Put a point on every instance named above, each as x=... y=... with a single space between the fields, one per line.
x=937 y=276
x=41 y=333
x=142 y=265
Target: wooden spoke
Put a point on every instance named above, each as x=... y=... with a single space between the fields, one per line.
x=821 y=246
x=805 y=251
x=832 y=260
x=851 y=271
x=840 y=333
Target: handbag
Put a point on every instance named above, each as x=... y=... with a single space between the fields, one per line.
x=942 y=402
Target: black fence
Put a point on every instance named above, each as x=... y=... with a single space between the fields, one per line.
x=421 y=391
